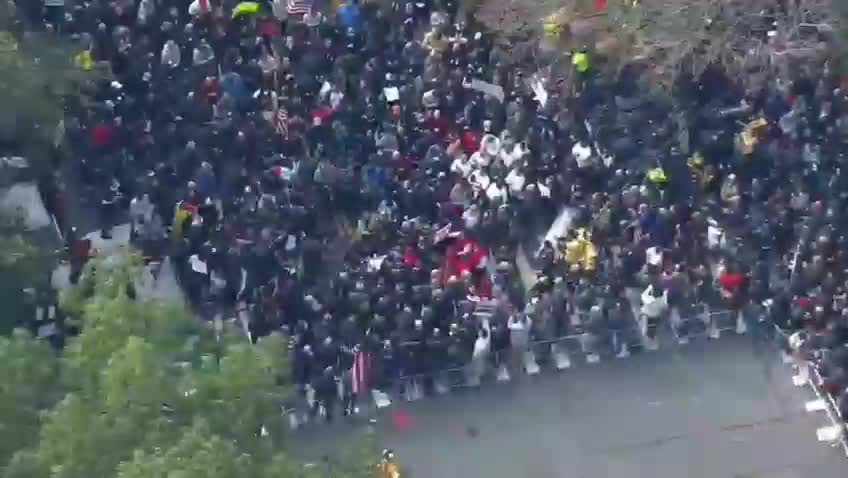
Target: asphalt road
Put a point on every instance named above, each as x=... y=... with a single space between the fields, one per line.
x=719 y=409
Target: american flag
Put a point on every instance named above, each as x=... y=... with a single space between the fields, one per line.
x=361 y=372
x=299 y=7
x=281 y=123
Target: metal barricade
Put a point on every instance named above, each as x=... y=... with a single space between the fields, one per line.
x=689 y=324
x=723 y=321
x=836 y=433
x=808 y=374
x=560 y=353
x=701 y=321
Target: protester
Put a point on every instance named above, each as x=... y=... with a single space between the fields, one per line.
x=358 y=178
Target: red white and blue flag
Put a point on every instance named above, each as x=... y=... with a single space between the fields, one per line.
x=299 y=7
x=361 y=372
x=281 y=123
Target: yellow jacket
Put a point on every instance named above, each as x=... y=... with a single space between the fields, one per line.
x=580 y=253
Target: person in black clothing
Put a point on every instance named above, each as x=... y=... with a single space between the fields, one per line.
x=326 y=393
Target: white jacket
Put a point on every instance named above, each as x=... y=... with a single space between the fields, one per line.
x=515 y=181
x=482 y=344
x=654 y=307
x=141 y=211
x=519 y=332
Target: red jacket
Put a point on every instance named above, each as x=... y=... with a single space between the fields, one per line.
x=731 y=282
x=101 y=135
x=471 y=141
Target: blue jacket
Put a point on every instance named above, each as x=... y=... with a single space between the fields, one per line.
x=349 y=16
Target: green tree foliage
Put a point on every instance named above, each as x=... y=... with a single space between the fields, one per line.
x=28 y=386
x=38 y=71
x=20 y=268
x=149 y=394
x=684 y=37
x=199 y=453
x=20 y=257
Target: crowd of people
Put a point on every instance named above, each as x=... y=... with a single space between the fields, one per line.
x=365 y=177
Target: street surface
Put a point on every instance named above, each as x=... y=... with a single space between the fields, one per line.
x=717 y=409
x=164 y=287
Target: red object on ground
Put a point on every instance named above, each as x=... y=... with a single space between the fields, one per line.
x=401 y=420
x=601 y=5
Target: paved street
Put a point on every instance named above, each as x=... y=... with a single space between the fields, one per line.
x=711 y=410
x=164 y=288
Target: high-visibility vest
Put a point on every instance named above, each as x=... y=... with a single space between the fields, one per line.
x=580 y=62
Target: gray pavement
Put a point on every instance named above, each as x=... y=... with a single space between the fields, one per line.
x=164 y=287
x=718 y=409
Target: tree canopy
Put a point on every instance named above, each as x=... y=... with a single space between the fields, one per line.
x=38 y=72
x=144 y=391
x=677 y=37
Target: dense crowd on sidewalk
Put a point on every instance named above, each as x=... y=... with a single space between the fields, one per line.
x=363 y=180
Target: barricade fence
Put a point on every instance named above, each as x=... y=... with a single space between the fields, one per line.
x=808 y=374
x=701 y=321
x=583 y=348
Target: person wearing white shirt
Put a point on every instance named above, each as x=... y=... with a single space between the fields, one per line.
x=480 y=159
x=654 y=302
x=479 y=180
x=141 y=211
x=582 y=154
x=544 y=190
x=462 y=166
x=496 y=192
x=515 y=181
x=519 y=338
x=513 y=153
x=471 y=217
x=459 y=194
x=654 y=307
x=480 y=356
x=715 y=235
x=654 y=256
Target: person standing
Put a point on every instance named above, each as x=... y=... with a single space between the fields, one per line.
x=326 y=392
x=654 y=307
x=519 y=339
x=480 y=355
x=107 y=211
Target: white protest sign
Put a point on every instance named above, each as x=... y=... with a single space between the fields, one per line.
x=539 y=90
x=487 y=88
x=392 y=94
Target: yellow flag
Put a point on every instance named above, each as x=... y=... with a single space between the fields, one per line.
x=246 y=8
